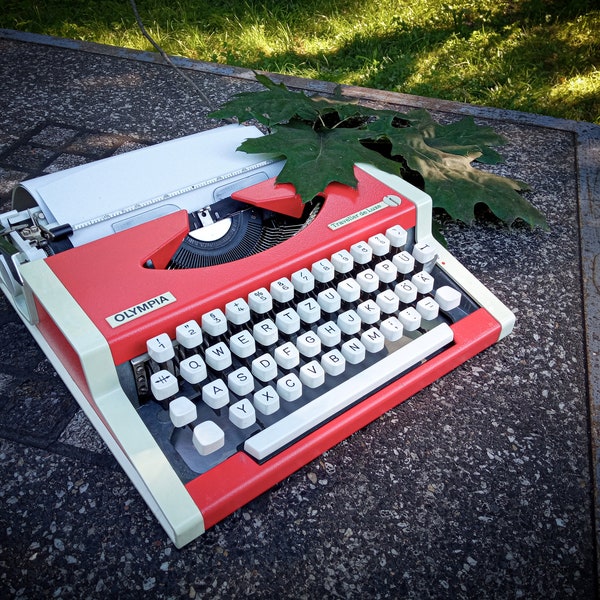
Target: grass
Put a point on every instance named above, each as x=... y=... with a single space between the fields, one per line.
x=540 y=56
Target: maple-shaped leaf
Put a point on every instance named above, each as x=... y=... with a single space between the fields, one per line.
x=317 y=158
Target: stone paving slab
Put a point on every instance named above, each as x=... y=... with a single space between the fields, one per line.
x=481 y=486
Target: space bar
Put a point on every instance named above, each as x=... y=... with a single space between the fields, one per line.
x=291 y=427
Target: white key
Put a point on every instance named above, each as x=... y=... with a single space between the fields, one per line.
x=423 y=252
x=260 y=301
x=242 y=414
x=264 y=368
x=368 y=280
x=287 y=321
x=428 y=308
x=240 y=382
x=308 y=344
x=265 y=332
x=242 y=344
x=287 y=356
x=386 y=271
x=349 y=290
x=182 y=411
x=354 y=351
x=309 y=310
x=215 y=394
x=218 y=356
x=237 y=311
x=406 y=291
x=404 y=262
x=333 y=362
x=397 y=236
x=361 y=253
x=423 y=281
x=323 y=270
x=303 y=281
x=193 y=369
x=282 y=290
x=208 y=437
x=447 y=297
x=330 y=334
x=388 y=302
x=289 y=387
x=349 y=322
x=160 y=348
x=410 y=319
x=342 y=261
x=392 y=329
x=312 y=374
x=189 y=334
x=329 y=300
x=368 y=311
x=330 y=403
x=266 y=400
x=380 y=244
x=163 y=384
x=214 y=322
x=373 y=340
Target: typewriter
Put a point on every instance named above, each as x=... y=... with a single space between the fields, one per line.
x=219 y=332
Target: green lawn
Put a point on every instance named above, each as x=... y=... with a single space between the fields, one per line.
x=540 y=56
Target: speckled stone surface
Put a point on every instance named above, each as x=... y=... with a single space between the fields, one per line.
x=480 y=486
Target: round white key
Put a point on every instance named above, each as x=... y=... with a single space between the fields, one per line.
x=404 y=262
x=410 y=319
x=208 y=437
x=287 y=356
x=193 y=369
x=380 y=244
x=303 y=281
x=308 y=344
x=406 y=291
x=264 y=368
x=373 y=340
x=189 y=334
x=428 y=308
x=349 y=322
x=386 y=271
x=312 y=374
x=218 y=356
x=242 y=414
x=287 y=321
x=215 y=394
x=160 y=348
x=361 y=253
x=242 y=344
x=260 y=301
x=265 y=332
x=214 y=322
x=368 y=311
x=354 y=351
x=323 y=270
x=342 y=261
x=397 y=236
x=237 y=311
x=388 y=302
x=423 y=281
x=447 y=297
x=163 y=384
x=349 y=290
x=423 y=252
x=309 y=310
x=240 y=381
x=266 y=400
x=289 y=387
x=282 y=290
x=330 y=334
x=333 y=362
x=329 y=300
x=392 y=329
x=368 y=280
x=182 y=411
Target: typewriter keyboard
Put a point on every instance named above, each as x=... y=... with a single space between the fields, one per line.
x=260 y=372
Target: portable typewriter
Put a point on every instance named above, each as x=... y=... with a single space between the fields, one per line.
x=218 y=332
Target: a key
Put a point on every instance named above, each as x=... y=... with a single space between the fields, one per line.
x=163 y=384
x=189 y=334
x=160 y=348
x=182 y=411
x=208 y=437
